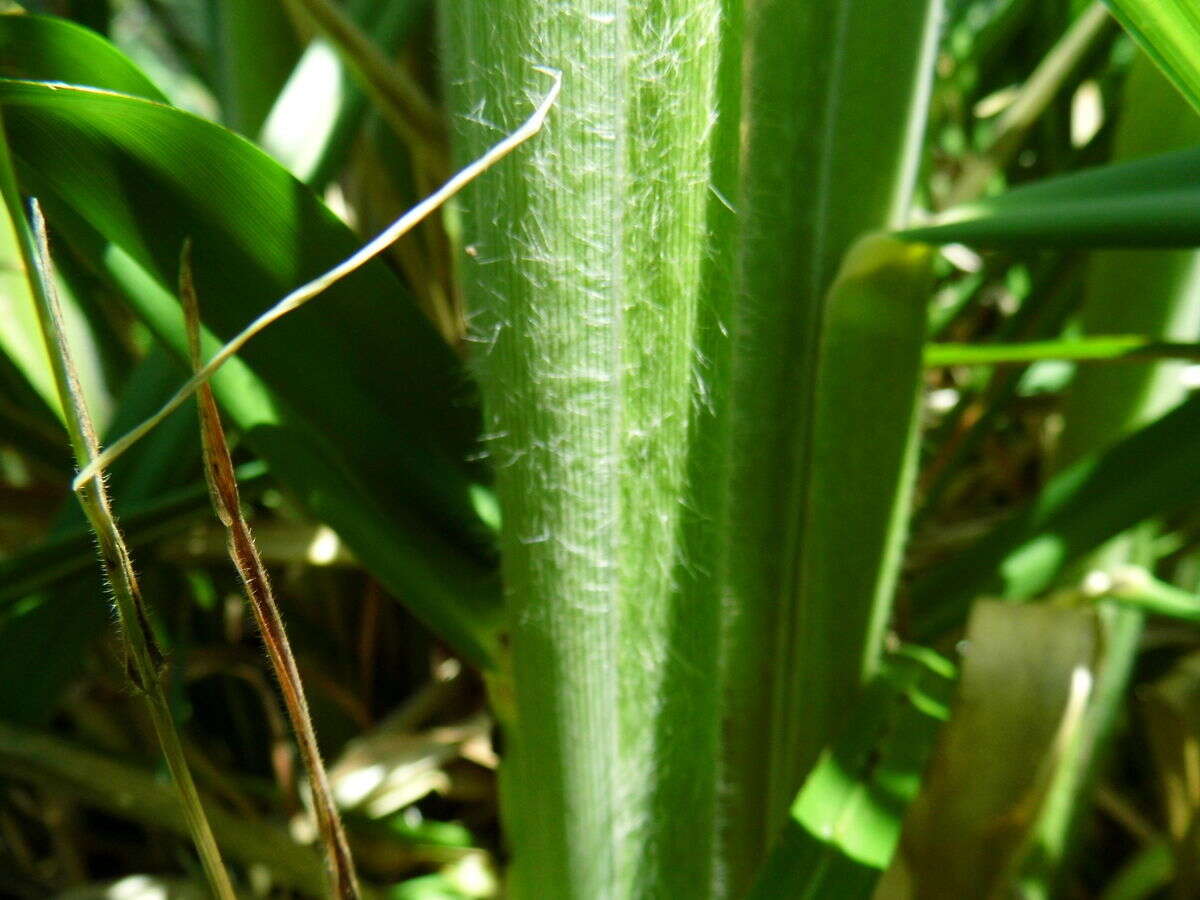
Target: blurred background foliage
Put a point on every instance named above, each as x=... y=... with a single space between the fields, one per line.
x=1024 y=90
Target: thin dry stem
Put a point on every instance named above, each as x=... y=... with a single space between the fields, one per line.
x=222 y=484
x=306 y=292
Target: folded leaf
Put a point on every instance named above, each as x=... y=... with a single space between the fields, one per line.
x=1026 y=678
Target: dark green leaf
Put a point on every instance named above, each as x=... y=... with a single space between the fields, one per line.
x=354 y=401
x=1153 y=202
x=45 y=48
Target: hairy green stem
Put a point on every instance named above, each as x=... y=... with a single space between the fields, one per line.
x=589 y=266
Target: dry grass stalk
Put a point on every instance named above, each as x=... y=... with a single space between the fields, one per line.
x=218 y=470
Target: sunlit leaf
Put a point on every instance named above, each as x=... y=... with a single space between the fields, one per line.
x=845 y=823
x=1169 y=30
x=322 y=395
x=1153 y=202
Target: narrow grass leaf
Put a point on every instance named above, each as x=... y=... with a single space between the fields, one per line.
x=1092 y=348
x=46 y=633
x=20 y=339
x=223 y=488
x=1153 y=202
x=862 y=461
x=144 y=660
x=836 y=95
x=1169 y=30
x=258 y=232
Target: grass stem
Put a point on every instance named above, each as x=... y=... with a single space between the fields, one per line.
x=144 y=659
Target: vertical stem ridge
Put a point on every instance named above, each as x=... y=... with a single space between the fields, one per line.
x=587 y=263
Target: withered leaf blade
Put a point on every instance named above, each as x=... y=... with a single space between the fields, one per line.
x=1026 y=678
x=222 y=484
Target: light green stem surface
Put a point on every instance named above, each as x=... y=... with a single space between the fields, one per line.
x=588 y=266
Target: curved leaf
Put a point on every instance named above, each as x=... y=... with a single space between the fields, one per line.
x=354 y=401
x=48 y=48
x=45 y=48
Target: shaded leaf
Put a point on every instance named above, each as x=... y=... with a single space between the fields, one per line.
x=1101 y=495
x=354 y=401
x=129 y=792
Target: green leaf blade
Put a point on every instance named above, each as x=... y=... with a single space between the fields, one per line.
x=845 y=823
x=1169 y=30
x=1153 y=202
x=46 y=48
x=129 y=180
